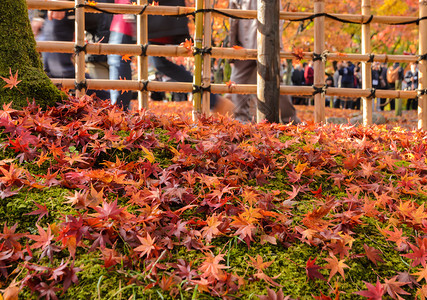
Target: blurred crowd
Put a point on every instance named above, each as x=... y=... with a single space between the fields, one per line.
x=345 y=74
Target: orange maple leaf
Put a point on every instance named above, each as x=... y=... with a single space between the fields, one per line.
x=155 y=3
x=126 y=57
x=237 y=47
x=12 y=81
x=91 y=3
x=298 y=53
x=188 y=44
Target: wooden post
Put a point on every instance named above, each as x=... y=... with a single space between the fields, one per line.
x=422 y=67
x=142 y=39
x=319 y=65
x=197 y=77
x=207 y=37
x=80 y=66
x=268 y=64
x=366 y=67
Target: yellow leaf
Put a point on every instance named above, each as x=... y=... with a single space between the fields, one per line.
x=148 y=155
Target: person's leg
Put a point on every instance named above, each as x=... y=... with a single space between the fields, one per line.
x=176 y=72
x=243 y=72
x=120 y=69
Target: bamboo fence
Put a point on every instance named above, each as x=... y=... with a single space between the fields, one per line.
x=202 y=61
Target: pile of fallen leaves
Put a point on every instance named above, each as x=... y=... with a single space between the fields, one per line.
x=97 y=203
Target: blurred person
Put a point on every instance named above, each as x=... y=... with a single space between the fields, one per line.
x=297 y=79
x=337 y=82
x=122 y=31
x=376 y=83
x=243 y=32
x=59 y=26
x=395 y=75
x=357 y=85
x=347 y=81
x=329 y=82
x=98 y=31
x=411 y=79
x=167 y=30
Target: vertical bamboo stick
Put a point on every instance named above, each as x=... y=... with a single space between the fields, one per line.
x=198 y=43
x=207 y=37
x=142 y=39
x=366 y=67
x=79 y=25
x=319 y=65
x=422 y=68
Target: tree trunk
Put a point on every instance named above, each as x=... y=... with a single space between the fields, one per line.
x=18 y=53
x=268 y=66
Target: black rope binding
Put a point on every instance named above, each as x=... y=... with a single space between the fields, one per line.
x=372 y=94
x=322 y=57
x=422 y=57
x=145 y=86
x=78 y=49
x=143 y=9
x=203 y=51
x=371 y=58
x=80 y=85
x=369 y=20
x=421 y=92
x=200 y=89
x=319 y=90
x=144 y=50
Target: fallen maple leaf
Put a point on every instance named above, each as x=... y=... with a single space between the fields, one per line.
x=374 y=292
x=311 y=270
x=335 y=266
x=41 y=211
x=12 y=81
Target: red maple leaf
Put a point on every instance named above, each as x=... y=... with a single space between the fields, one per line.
x=374 y=292
x=41 y=211
x=12 y=81
x=108 y=210
x=298 y=53
x=372 y=254
x=311 y=270
x=393 y=287
x=419 y=255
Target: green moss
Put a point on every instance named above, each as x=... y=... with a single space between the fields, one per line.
x=14 y=209
x=18 y=53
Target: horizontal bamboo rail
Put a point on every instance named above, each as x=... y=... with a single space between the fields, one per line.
x=187 y=87
x=179 y=10
x=217 y=52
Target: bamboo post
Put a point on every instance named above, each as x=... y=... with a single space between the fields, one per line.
x=268 y=64
x=198 y=43
x=319 y=65
x=142 y=40
x=366 y=67
x=207 y=38
x=422 y=68
x=79 y=62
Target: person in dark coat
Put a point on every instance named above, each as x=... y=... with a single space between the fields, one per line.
x=411 y=79
x=298 y=80
x=347 y=81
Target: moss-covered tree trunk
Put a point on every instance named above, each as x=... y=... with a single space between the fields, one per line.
x=18 y=52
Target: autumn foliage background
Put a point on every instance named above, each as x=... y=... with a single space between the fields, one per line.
x=97 y=203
